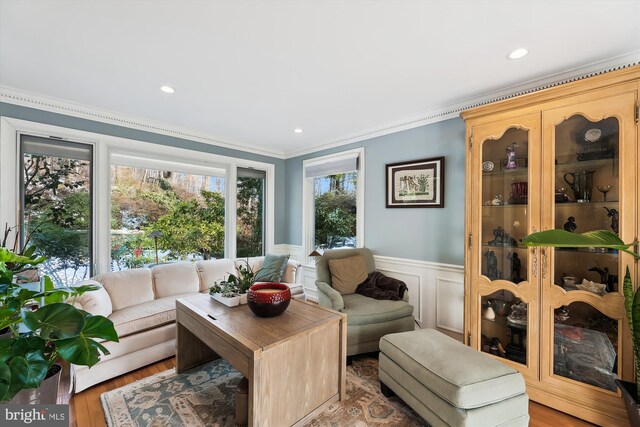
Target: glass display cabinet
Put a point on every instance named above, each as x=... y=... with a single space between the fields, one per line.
x=562 y=158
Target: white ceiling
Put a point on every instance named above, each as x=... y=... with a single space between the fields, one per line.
x=250 y=72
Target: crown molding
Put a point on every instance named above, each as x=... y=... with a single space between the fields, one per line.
x=453 y=110
x=55 y=105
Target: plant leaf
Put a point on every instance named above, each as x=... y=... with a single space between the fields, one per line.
x=80 y=350
x=8 y=256
x=99 y=327
x=24 y=344
x=635 y=329
x=627 y=290
x=28 y=371
x=590 y=239
x=5 y=380
x=5 y=349
x=55 y=321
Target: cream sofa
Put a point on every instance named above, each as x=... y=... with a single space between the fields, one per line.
x=141 y=304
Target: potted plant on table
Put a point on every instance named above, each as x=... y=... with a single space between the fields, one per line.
x=38 y=338
x=606 y=239
x=243 y=281
x=225 y=292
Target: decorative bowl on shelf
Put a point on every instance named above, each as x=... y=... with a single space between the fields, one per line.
x=268 y=299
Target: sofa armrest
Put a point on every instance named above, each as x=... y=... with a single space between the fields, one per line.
x=329 y=297
x=405 y=297
x=96 y=302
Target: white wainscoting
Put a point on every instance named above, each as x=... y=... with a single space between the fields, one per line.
x=435 y=290
x=294 y=251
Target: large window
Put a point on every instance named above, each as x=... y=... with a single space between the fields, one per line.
x=333 y=201
x=162 y=216
x=250 y=212
x=104 y=205
x=56 y=206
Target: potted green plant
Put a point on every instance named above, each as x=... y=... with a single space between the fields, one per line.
x=38 y=338
x=243 y=281
x=606 y=239
x=225 y=292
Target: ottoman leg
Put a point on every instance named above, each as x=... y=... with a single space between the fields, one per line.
x=386 y=391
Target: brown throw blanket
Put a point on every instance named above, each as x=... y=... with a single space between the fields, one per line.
x=379 y=286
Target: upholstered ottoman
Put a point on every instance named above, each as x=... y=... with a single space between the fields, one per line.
x=450 y=384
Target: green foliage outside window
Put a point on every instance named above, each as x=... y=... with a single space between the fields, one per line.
x=249 y=211
x=335 y=210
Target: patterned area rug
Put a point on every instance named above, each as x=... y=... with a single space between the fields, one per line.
x=206 y=397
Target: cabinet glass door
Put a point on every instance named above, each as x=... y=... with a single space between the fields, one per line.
x=504 y=191
x=582 y=292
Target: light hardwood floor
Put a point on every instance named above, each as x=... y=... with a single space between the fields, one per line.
x=86 y=409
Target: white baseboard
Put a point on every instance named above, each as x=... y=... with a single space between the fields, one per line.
x=436 y=290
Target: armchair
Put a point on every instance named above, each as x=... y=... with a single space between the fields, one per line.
x=368 y=319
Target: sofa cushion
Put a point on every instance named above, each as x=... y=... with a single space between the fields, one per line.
x=175 y=279
x=363 y=310
x=347 y=273
x=289 y=275
x=213 y=270
x=95 y=302
x=145 y=316
x=464 y=377
x=272 y=268
x=127 y=287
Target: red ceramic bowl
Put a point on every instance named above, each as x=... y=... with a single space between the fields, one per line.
x=268 y=299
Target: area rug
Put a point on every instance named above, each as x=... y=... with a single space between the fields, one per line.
x=205 y=396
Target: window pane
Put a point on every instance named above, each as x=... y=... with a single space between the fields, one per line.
x=187 y=210
x=56 y=214
x=335 y=210
x=250 y=217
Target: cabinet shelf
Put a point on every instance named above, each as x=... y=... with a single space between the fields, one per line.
x=513 y=173
x=571 y=203
x=585 y=165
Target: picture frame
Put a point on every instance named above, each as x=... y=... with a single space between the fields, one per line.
x=415 y=184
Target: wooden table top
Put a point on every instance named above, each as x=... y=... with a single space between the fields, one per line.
x=255 y=333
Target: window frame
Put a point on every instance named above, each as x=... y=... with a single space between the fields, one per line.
x=308 y=207
x=92 y=194
x=103 y=146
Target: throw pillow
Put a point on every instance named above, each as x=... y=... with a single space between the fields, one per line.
x=272 y=268
x=347 y=273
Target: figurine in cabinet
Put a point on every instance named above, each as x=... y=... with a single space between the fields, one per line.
x=492 y=265
x=615 y=217
x=516 y=267
x=570 y=225
x=511 y=156
x=502 y=238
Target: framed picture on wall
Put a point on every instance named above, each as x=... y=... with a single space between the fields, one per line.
x=416 y=184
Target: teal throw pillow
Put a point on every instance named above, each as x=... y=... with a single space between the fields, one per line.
x=272 y=269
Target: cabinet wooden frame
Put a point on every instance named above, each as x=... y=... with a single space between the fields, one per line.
x=613 y=94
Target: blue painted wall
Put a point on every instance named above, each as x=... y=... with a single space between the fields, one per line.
x=40 y=116
x=435 y=235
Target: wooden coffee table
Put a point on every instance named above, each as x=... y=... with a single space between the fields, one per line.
x=295 y=362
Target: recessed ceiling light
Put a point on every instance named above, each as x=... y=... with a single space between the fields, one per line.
x=298 y=130
x=518 y=53
x=167 y=89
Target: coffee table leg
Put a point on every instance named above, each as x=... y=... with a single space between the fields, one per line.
x=343 y=359
x=255 y=391
x=190 y=351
